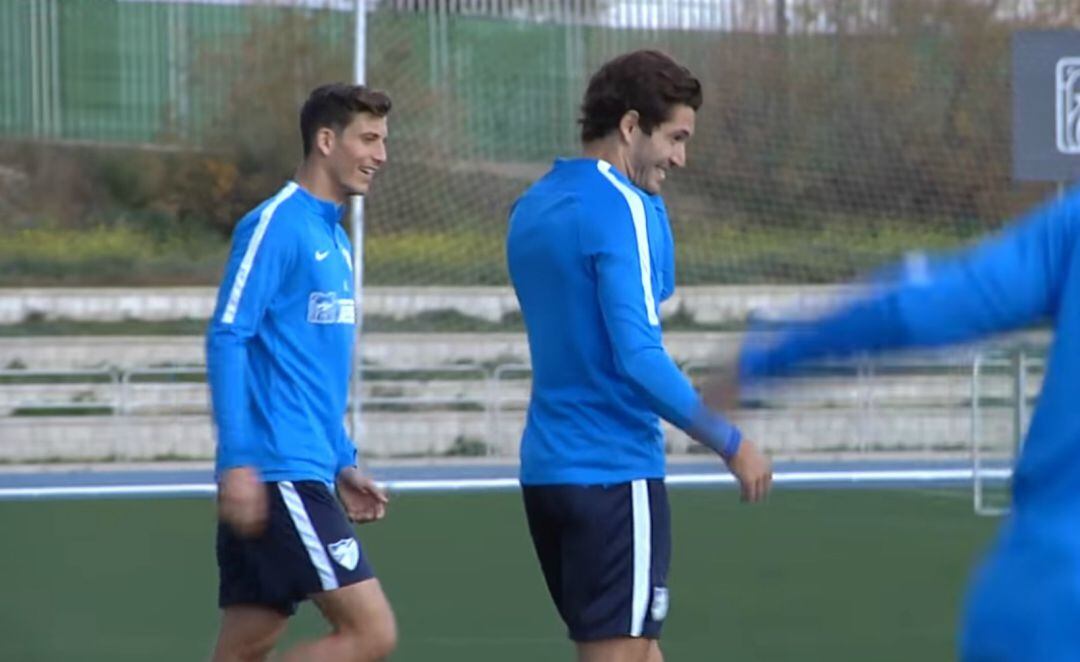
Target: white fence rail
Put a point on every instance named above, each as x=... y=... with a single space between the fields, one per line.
x=931 y=404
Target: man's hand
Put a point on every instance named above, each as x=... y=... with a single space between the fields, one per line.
x=751 y=468
x=364 y=501
x=753 y=471
x=242 y=501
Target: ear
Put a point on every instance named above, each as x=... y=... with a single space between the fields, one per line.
x=628 y=124
x=324 y=140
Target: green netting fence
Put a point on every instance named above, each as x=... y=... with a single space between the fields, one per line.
x=835 y=135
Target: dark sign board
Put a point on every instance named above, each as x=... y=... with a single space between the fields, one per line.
x=1046 y=105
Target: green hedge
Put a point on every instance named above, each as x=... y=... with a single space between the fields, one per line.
x=124 y=255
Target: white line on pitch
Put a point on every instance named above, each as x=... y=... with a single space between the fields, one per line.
x=857 y=477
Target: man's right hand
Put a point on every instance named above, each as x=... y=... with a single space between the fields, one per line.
x=242 y=501
x=753 y=471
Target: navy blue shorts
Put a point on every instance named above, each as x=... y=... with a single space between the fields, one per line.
x=308 y=547
x=605 y=552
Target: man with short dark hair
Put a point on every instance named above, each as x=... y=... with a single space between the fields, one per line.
x=591 y=257
x=279 y=355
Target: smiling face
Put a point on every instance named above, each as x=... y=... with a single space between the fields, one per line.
x=652 y=155
x=355 y=153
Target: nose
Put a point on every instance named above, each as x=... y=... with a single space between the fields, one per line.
x=678 y=157
x=379 y=155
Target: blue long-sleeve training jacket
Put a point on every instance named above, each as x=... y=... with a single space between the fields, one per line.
x=1024 y=602
x=1027 y=273
x=591 y=257
x=279 y=347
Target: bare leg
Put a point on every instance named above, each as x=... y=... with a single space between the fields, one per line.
x=363 y=626
x=248 y=633
x=655 y=654
x=621 y=649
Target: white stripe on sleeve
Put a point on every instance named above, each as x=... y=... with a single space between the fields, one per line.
x=253 y=247
x=637 y=212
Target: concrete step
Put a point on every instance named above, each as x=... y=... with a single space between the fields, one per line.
x=130 y=392
x=393 y=350
x=705 y=304
x=398 y=434
x=387 y=349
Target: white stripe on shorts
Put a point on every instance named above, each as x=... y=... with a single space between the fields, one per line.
x=639 y=490
x=311 y=541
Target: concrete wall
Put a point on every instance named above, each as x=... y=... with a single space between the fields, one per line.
x=428 y=413
x=389 y=349
x=784 y=433
x=909 y=414
x=707 y=304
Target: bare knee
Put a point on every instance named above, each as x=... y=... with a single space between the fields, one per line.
x=242 y=651
x=617 y=649
x=387 y=639
x=370 y=647
x=655 y=654
x=363 y=622
x=375 y=640
x=247 y=634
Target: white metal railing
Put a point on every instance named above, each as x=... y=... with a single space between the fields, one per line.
x=182 y=389
x=39 y=392
x=863 y=386
x=999 y=383
x=1018 y=367
x=137 y=385
x=501 y=399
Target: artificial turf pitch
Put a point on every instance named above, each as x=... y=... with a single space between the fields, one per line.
x=813 y=575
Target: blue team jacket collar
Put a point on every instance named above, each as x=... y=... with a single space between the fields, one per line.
x=593 y=163
x=587 y=161
x=329 y=211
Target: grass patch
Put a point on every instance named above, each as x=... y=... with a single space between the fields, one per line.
x=825 y=250
x=65 y=327
x=61 y=410
x=103 y=377
x=107 y=255
x=877 y=575
x=467 y=447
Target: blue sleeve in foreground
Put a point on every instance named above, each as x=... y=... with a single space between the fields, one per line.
x=1005 y=282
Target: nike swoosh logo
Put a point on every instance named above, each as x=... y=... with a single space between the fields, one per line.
x=321 y=255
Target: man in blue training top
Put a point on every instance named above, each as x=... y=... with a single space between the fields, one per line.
x=1023 y=604
x=279 y=354
x=591 y=257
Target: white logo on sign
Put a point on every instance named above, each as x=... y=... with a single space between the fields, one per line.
x=346 y=552
x=659 y=608
x=321 y=255
x=1067 y=76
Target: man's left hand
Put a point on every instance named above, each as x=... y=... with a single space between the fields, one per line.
x=364 y=501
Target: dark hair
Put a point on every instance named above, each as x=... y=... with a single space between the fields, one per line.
x=647 y=81
x=334 y=105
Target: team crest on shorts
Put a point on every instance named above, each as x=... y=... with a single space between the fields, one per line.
x=659 y=608
x=346 y=552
